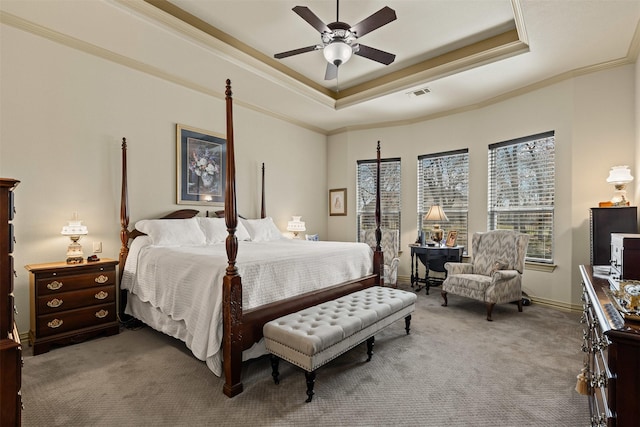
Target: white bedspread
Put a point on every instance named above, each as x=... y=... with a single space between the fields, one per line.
x=185 y=283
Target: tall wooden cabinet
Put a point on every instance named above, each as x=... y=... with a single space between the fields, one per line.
x=10 y=347
x=603 y=222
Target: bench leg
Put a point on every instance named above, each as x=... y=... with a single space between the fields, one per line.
x=407 y=324
x=275 y=361
x=370 y=343
x=311 y=380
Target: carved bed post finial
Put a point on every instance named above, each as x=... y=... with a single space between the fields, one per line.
x=231 y=284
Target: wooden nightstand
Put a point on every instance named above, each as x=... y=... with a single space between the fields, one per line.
x=71 y=302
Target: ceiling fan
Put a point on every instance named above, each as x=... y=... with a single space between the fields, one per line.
x=339 y=39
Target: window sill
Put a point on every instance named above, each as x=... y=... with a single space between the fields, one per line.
x=539 y=266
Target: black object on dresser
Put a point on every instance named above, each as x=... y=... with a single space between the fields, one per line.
x=10 y=347
x=611 y=343
x=71 y=302
x=605 y=221
x=625 y=256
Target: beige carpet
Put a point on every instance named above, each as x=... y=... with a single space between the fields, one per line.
x=455 y=369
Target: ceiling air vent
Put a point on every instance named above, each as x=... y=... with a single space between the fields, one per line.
x=418 y=92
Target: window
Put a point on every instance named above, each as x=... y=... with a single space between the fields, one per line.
x=522 y=190
x=443 y=179
x=389 y=194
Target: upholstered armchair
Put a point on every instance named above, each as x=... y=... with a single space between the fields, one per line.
x=389 y=244
x=494 y=274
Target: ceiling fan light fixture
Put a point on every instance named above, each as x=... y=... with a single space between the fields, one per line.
x=337 y=53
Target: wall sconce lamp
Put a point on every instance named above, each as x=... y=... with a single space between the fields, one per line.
x=75 y=230
x=296 y=226
x=620 y=176
x=436 y=213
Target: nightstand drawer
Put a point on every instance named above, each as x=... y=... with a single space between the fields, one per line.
x=69 y=300
x=55 y=283
x=71 y=320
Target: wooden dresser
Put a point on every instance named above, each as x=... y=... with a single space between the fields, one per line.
x=71 y=302
x=612 y=356
x=10 y=348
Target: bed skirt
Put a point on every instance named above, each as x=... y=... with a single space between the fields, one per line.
x=154 y=318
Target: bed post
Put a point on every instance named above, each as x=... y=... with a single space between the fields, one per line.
x=124 y=210
x=231 y=284
x=378 y=256
x=263 y=208
x=124 y=228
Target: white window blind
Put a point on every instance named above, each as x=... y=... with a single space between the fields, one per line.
x=389 y=194
x=443 y=179
x=522 y=190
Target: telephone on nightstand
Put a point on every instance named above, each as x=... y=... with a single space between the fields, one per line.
x=93 y=258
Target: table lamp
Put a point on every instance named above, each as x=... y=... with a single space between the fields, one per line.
x=75 y=230
x=296 y=226
x=436 y=213
x=620 y=176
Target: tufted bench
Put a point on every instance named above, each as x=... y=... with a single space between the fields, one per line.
x=316 y=335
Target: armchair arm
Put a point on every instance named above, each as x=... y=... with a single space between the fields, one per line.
x=500 y=275
x=506 y=286
x=458 y=267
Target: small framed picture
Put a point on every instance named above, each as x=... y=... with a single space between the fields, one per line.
x=338 y=201
x=451 y=238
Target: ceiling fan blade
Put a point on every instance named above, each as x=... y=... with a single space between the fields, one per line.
x=380 y=56
x=375 y=21
x=332 y=71
x=296 y=51
x=306 y=14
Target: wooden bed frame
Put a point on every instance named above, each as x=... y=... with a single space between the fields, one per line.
x=243 y=328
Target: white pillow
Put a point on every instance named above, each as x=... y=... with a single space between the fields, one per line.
x=215 y=230
x=262 y=230
x=172 y=232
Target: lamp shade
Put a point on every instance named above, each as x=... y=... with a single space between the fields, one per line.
x=337 y=52
x=619 y=175
x=436 y=213
x=74 y=228
x=296 y=225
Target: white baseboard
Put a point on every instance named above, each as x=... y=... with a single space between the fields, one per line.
x=406 y=280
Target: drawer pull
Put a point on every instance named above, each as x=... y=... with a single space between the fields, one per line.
x=54 y=303
x=55 y=323
x=54 y=286
x=101 y=279
x=101 y=295
x=102 y=314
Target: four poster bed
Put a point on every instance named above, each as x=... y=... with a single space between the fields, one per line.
x=200 y=290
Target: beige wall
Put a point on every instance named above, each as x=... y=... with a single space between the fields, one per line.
x=63 y=115
x=594 y=120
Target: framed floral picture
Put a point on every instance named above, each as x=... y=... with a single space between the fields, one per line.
x=201 y=169
x=338 y=201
